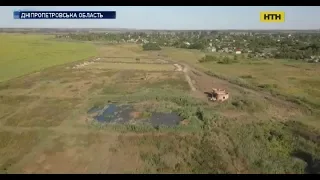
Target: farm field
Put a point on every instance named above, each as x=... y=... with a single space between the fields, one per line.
x=149 y=116
x=25 y=54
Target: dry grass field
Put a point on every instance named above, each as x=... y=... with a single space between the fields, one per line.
x=113 y=114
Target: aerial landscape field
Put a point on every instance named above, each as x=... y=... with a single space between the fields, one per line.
x=78 y=104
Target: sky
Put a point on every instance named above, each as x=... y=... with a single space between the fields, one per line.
x=171 y=17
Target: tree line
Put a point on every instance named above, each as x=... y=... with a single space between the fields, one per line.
x=299 y=46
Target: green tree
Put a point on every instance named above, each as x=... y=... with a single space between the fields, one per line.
x=235 y=57
x=250 y=55
x=197 y=45
x=225 y=60
x=151 y=47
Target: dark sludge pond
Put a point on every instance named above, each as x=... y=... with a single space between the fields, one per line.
x=125 y=114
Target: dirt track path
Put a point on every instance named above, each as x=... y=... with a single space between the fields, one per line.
x=185 y=71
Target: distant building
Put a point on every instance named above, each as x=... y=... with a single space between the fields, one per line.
x=211 y=49
x=145 y=41
x=187 y=43
x=238 y=51
x=139 y=41
x=225 y=49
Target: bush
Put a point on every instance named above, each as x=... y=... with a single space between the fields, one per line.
x=235 y=57
x=197 y=45
x=225 y=60
x=268 y=86
x=250 y=55
x=208 y=58
x=151 y=47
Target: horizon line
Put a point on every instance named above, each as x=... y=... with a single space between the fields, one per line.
x=318 y=29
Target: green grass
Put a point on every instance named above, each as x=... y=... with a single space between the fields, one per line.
x=23 y=54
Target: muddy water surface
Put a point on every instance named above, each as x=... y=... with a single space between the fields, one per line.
x=122 y=114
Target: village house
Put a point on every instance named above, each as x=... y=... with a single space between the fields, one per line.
x=211 y=49
x=238 y=51
x=313 y=59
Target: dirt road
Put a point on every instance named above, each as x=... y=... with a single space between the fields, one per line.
x=185 y=70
